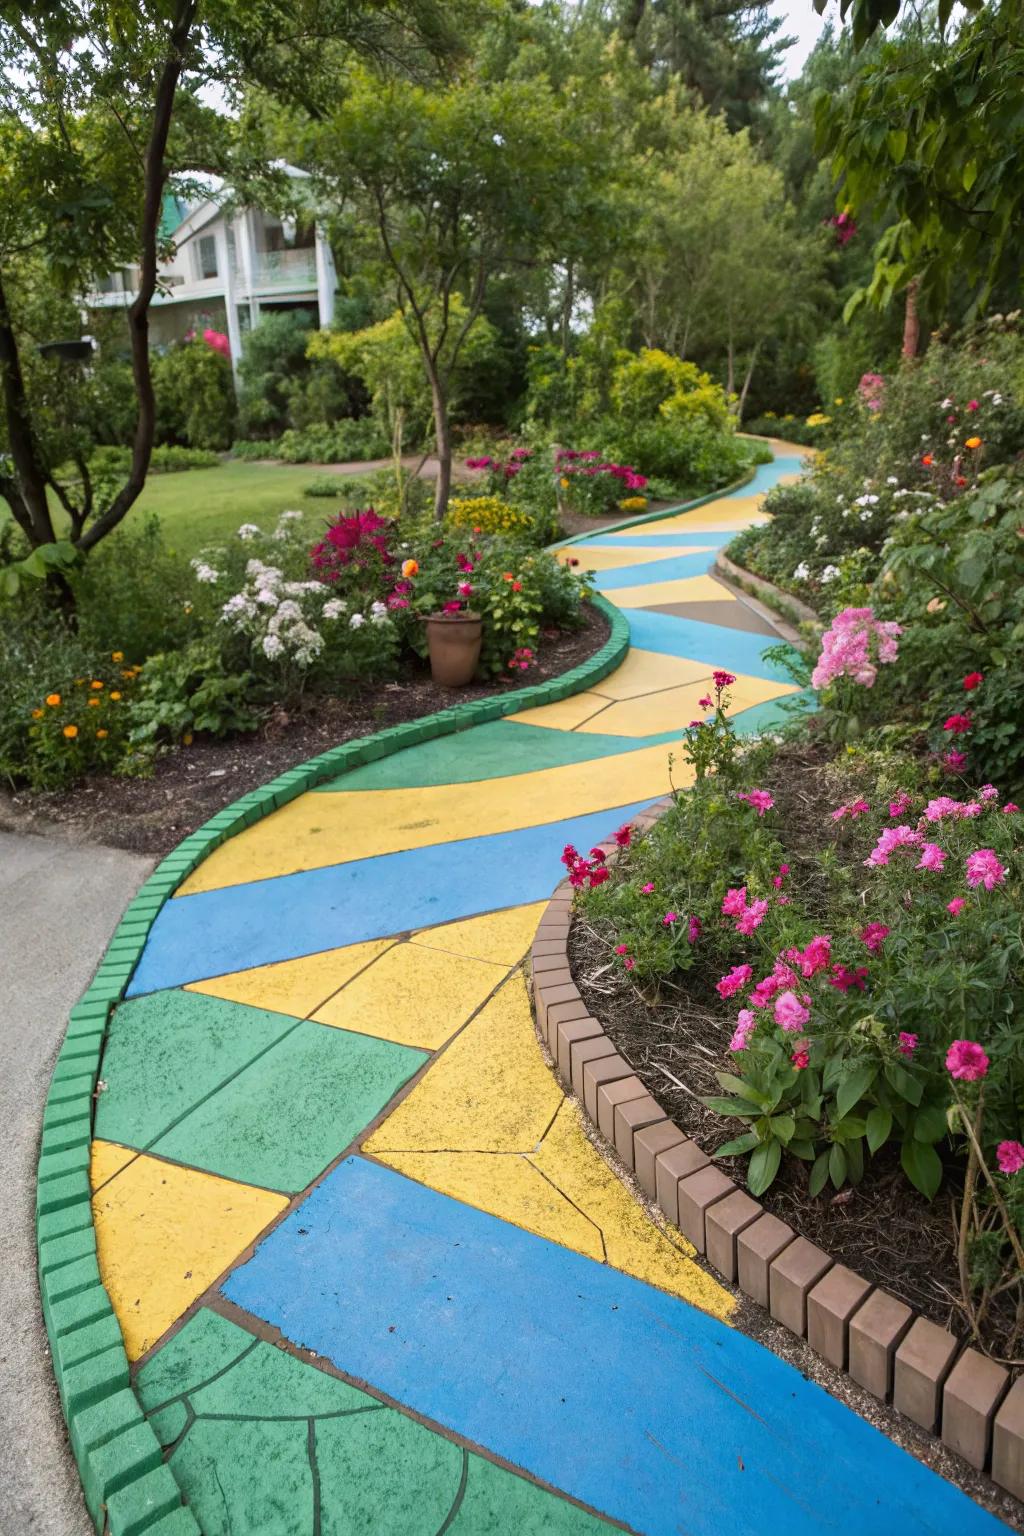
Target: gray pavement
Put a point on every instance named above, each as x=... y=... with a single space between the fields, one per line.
x=59 y=905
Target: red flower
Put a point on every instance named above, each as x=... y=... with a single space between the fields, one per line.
x=599 y=875
x=958 y=724
x=972 y=680
x=623 y=836
x=927 y=460
x=517 y=586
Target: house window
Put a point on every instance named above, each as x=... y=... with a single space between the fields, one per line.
x=206 y=257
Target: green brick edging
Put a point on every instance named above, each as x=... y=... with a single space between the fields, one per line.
x=124 y=1477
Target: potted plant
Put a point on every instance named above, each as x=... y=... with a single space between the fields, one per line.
x=454 y=638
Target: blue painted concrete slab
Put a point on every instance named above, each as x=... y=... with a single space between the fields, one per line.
x=674 y=568
x=735 y=650
x=616 y=1393
x=766 y=476
x=657 y=540
x=214 y=932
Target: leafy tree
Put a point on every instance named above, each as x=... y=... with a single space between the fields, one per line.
x=451 y=186
x=100 y=105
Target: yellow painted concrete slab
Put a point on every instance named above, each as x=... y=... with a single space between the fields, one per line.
x=105 y=1159
x=649 y=672
x=601 y=559
x=632 y=1242
x=564 y=714
x=508 y=1187
x=503 y=937
x=164 y=1234
x=738 y=512
x=488 y=1092
x=413 y=995
x=297 y=987
x=323 y=828
x=686 y=589
x=674 y=708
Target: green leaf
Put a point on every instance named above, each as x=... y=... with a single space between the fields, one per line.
x=879 y=1124
x=743 y=1089
x=798 y=1147
x=854 y=1086
x=896 y=141
x=854 y=1160
x=930 y=1123
x=819 y=1175
x=837 y=1165
x=970 y=174
x=901 y=1081
x=763 y=1167
x=782 y=1126
x=922 y=1167
x=738 y=1107
x=739 y=1145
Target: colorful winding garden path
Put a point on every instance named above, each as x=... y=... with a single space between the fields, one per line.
x=373 y=1274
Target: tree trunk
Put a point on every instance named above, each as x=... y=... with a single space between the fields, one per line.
x=911 y=322
x=568 y=300
x=730 y=381
x=443 y=437
x=33 y=513
x=746 y=381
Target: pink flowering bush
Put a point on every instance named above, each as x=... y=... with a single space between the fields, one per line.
x=854 y=647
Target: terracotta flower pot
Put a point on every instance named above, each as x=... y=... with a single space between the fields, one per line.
x=454 y=640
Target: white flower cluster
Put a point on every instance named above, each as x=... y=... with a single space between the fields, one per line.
x=204 y=572
x=378 y=615
x=802 y=571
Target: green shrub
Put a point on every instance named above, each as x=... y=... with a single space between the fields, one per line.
x=273 y=360
x=135 y=594
x=323 y=485
x=195 y=396
x=108 y=461
x=337 y=444
x=181 y=692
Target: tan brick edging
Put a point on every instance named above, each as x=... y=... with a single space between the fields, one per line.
x=900 y=1357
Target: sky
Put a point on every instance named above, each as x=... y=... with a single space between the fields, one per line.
x=800 y=20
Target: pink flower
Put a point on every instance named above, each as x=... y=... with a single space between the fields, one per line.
x=890 y=839
x=800 y=1059
x=843 y=978
x=648 y=888
x=598 y=855
x=452 y=607
x=734 y=902
x=735 y=981
x=873 y=936
x=599 y=875
x=760 y=799
x=816 y=957
x=1009 y=809
x=693 y=930
x=966 y=1060
x=624 y=835
x=629 y=962
x=932 y=857
x=972 y=405
x=954 y=761
x=988 y=792
x=465 y=588
x=972 y=680
x=956 y=906
x=1010 y=1156
x=669 y=919
x=908 y=1043
x=723 y=680
x=901 y=804
x=790 y=1013
x=983 y=868
x=958 y=724
x=622 y=949
x=766 y=989
x=783 y=900
x=938 y=810
x=746 y=1023
x=705 y=703
x=752 y=918
x=855 y=645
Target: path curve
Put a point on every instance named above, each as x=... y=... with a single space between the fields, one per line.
x=371 y=1273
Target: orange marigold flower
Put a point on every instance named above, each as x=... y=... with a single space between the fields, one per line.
x=114 y=695
x=972 y=442
x=53 y=699
x=927 y=460
x=117 y=655
x=95 y=683
x=37 y=714
x=128 y=673
x=507 y=576
x=101 y=735
x=410 y=568
x=93 y=703
x=71 y=731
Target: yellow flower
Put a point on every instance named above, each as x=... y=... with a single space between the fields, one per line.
x=93 y=703
x=186 y=740
x=115 y=695
x=117 y=655
x=71 y=731
x=95 y=683
x=838 y=400
x=53 y=699
x=818 y=419
x=973 y=442
x=128 y=673
x=102 y=735
x=410 y=568
x=37 y=714
x=563 y=482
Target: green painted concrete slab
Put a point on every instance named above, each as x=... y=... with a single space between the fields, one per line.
x=281 y=1120
x=491 y=751
x=168 y=1051
x=254 y=1431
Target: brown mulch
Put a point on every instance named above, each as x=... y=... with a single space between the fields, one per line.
x=884 y=1229
x=191 y=784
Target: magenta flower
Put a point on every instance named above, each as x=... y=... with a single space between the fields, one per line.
x=873 y=936
x=693 y=931
x=1010 y=1156
x=746 y=1023
x=760 y=799
x=900 y=805
x=734 y=902
x=648 y=888
x=816 y=957
x=956 y=906
x=629 y=962
x=855 y=646
x=966 y=1060
x=599 y=875
x=624 y=835
x=988 y=792
x=932 y=857
x=735 y=981
x=843 y=978
x=790 y=1013
x=891 y=839
x=954 y=761
x=1009 y=809
x=622 y=949
x=908 y=1043
x=800 y=1059
x=752 y=918
x=669 y=919
x=723 y=680
x=983 y=868
x=705 y=703
x=958 y=724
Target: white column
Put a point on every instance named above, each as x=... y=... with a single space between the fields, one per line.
x=326 y=279
x=249 y=246
x=228 y=286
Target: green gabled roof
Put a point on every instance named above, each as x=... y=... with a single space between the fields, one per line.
x=171 y=214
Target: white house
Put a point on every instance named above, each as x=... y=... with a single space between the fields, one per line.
x=228 y=269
